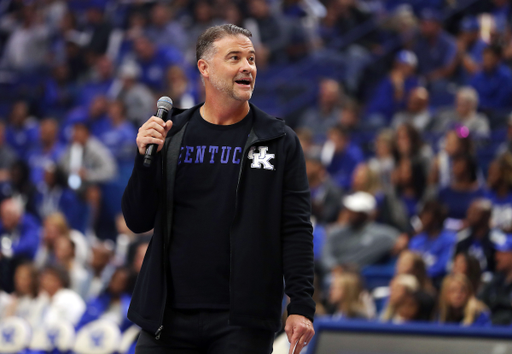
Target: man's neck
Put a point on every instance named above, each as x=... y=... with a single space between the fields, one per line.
x=224 y=112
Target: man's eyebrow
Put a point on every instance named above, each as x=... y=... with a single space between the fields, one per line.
x=239 y=52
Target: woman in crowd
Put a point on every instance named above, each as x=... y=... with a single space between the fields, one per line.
x=412 y=263
x=499 y=184
x=23 y=302
x=65 y=256
x=401 y=286
x=346 y=296
x=469 y=266
x=415 y=306
x=383 y=163
x=409 y=144
x=458 y=304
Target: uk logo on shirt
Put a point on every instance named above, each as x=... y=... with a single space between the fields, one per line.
x=261 y=158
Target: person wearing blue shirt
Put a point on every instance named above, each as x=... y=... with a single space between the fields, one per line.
x=101 y=84
x=341 y=156
x=434 y=243
x=470 y=48
x=494 y=81
x=499 y=184
x=22 y=131
x=48 y=150
x=464 y=187
x=94 y=116
x=392 y=93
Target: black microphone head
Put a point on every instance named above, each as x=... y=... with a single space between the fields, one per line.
x=165 y=103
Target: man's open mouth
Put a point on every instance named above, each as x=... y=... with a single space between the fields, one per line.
x=243 y=82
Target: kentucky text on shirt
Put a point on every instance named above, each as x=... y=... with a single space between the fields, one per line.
x=214 y=154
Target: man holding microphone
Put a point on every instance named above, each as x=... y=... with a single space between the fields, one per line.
x=228 y=198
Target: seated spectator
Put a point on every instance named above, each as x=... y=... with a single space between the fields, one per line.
x=464 y=115
x=477 y=238
x=54 y=226
x=324 y=115
x=468 y=265
x=433 y=242
x=400 y=286
x=458 y=304
x=345 y=295
x=416 y=112
x=94 y=115
x=499 y=184
x=341 y=156
x=496 y=295
x=7 y=155
x=453 y=144
x=412 y=263
x=392 y=93
x=23 y=303
x=100 y=84
x=507 y=144
x=59 y=92
x=358 y=240
x=137 y=97
x=416 y=306
x=19 y=234
x=47 y=150
x=470 y=47
x=23 y=130
x=112 y=303
x=463 y=189
x=325 y=195
x=21 y=187
x=100 y=269
x=98 y=27
x=493 y=81
x=434 y=48
x=179 y=88
x=163 y=30
x=64 y=249
x=56 y=301
x=409 y=144
x=383 y=163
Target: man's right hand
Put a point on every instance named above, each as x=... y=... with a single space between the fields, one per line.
x=153 y=131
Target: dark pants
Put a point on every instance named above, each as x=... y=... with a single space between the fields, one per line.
x=204 y=332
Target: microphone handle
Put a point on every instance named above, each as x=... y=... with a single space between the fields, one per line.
x=152 y=148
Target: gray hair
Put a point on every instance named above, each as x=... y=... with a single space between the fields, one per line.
x=468 y=94
x=204 y=46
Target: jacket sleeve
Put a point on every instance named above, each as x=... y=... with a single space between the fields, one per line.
x=297 y=232
x=140 y=198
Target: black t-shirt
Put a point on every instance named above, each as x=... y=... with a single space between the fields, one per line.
x=204 y=207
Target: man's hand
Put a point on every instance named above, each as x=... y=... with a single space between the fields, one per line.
x=153 y=131
x=298 y=328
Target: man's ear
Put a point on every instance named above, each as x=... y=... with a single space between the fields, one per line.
x=203 y=67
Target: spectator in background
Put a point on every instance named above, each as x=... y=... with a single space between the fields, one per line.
x=163 y=30
x=97 y=28
x=392 y=94
x=26 y=287
x=416 y=306
x=345 y=295
x=464 y=115
x=19 y=236
x=59 y=92
x=201 y=18
x=112 y=304
x=409 y=145
x=340 y=156
x=499 y=184
x=463 y=189
x=23 y=129
x=434 y=48
x=7 y=155
x=433 y=242
x=99 y=84
x=496 y=295
x=179 y=88
x=493 y=82
x=64 y=250
x=506 y=145
x=416 y=113
x=137 y=98
x=100 y=269
x=54 y=226
x=383 y=163
x=358 y=239
x=470 y=48
x=468 y=265
x=56 y=301
x=477 y=238
x=400 y=286
x=328 y=108
x=46 y=151
x=325 y=195
x=412 y=263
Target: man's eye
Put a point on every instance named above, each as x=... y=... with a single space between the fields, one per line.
x=251 y=59
x=234 y=57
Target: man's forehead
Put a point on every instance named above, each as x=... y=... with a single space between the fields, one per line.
x=230 y=43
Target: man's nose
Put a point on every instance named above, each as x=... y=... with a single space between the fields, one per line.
x=246 y=66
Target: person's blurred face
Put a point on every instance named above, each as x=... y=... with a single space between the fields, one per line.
x=503 y=261
x=115 y=111
x=336 y=293
x=429 y=28
x=404 y=170
x=63 y=249
x=460 y=266
x=382 y=147
x=360 y=178
x=258 y=8
x=48 y=131
x=104 y=67
x=404 y=264
x=463 y=106
x=340 y=141
x=19 y=113
x=314 y=170
x=489 y=61
x=329 y=92
x=408 y=308
x=80 y=134
x=457 y=294
x=143 y=48
x=452 y=143
x=98 y=106
x=50 y=283
x=418 y=100
x=494 y=175
x=427 y=220
x=459 y=169
x=355 y=218
x=9 y=214
x=475 y=215
x=397 y=293
x=23 y=280
x=403 y=142
x=159 y=15
x=100 y=258
x=118 y=282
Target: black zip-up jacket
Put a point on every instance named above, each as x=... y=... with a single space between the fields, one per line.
x=271 y=235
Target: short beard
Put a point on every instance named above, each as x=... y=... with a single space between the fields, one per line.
x=228 y=90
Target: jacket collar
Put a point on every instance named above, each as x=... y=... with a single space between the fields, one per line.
x=265 y=126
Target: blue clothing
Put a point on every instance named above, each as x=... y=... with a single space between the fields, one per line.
x=21 y=140
x=119 y=140
x=410 y=206
x=436 y=55
x=90 y=90
x=58 y=99
x=26 y=239
x=99 y=305
x=458 y=202
x=153 y=71
x=343 y=165
x=484 y=319
x=37 y=159
x=383 y=101
x=501 y=210
x=80 y=114
x=436 y=251
x=319 y=235
x=494 y=88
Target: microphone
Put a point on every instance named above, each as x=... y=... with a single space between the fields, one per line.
x=163 y=107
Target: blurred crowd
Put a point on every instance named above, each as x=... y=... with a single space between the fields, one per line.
x=408 y=147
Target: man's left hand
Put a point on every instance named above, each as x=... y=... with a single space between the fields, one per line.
x=298 y=328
